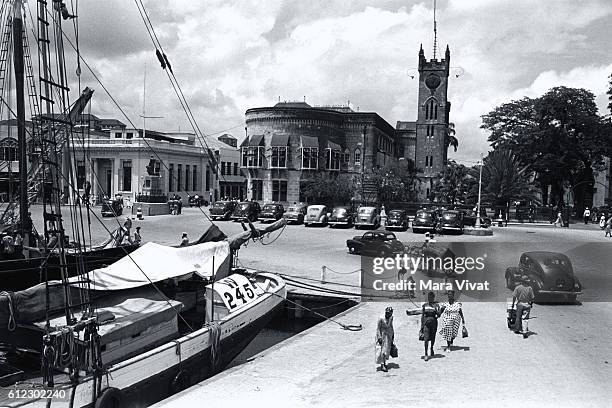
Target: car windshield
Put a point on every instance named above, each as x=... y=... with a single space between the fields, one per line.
x=449 y=216
x=389 y=237
x=555 y=262
x=423 y=214
x=243 y=206
x=219 y=204
x=339 y=211
x=293 y=209
x=365 y=210
x=269 y=207
x=314 y=210
x=395 y=213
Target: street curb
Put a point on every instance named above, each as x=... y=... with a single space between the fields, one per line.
x=481 y=232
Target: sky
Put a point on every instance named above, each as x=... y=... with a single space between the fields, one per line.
x=231 y=55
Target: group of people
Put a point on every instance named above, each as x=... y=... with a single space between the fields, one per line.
x=176 y=205
x=451 y=313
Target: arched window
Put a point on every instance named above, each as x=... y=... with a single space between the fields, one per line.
x=436 y=112
x=427 y=111
x=357 y=156
x=8 y=149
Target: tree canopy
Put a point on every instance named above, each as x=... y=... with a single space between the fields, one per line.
x=454 y=184
x=560 y=135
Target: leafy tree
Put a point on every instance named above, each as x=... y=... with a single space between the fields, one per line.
x=450 y=138
x=326 y=189
x=504 y=179
x=559 y=135
x=453 y=185
x=395 y=184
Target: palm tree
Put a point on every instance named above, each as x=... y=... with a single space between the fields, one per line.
x=504 y=179
x=449 y=138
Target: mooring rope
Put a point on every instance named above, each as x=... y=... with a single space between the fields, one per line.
x=12 y=325
x=349 y=327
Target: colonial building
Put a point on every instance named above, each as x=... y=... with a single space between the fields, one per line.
x=289 y=142
x=120 y=160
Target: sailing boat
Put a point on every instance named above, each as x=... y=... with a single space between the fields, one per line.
x=150 y=324
x=49 y=137
x=165 y=318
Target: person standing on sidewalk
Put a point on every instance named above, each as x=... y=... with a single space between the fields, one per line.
x=609 y=227
x=586 y=215
x=523 y=296
x=384 y=338
x=137 y=236
x=429 y=323
x=452 y=317
x=184 y=239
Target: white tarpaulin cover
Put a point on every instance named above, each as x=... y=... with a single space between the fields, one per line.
x=161 y=262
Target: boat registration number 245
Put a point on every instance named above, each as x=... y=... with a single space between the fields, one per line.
x=237 y=290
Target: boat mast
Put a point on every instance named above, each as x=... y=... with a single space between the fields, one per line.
x=24 y=229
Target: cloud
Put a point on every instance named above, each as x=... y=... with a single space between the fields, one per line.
x=232 y=55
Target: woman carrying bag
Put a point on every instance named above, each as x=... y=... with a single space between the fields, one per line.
x=384 y=339
x=429 y=324
x=452 y=318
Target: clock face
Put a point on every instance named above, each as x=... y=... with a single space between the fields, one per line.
x=432 y=81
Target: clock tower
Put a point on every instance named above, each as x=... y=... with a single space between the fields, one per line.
x=432 y=118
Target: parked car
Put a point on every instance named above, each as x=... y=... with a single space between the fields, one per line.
x=196 y=201
x=425 y=220
x=550 y=275
x=469 y=219
x=316 y=215
x=112 y=208
x=222 y=210
x=452 y=220
x=246 y=210
x=367 y=216
x=375 y=243
x=295 y=213
x=271 y=212
x=398 y=219
x=342 y=215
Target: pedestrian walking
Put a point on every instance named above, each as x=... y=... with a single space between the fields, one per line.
x=429 y=324
x=127 y=225
x=586 y=215
x=609 y=227
x=137 y=236
x=184 y=239
x=523 y=296
x=384 y=338
x=452 y=317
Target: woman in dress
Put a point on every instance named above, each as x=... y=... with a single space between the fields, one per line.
x=452 y=317
x=384 y=338
x=429 y=323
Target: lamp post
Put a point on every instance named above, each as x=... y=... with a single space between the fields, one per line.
x=477 y=225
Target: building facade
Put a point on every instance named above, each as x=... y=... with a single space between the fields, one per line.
x=291 y=142
x=288 y=143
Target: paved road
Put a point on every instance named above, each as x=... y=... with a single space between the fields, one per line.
x=302 y=251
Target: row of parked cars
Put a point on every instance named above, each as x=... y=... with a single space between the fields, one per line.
x=362 y=217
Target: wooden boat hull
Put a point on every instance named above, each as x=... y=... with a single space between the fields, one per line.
x=167 y=369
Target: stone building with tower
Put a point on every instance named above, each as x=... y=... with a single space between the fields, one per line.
x=290 y=142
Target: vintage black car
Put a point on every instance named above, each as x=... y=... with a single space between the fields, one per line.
x=375 y=243
x=222 y=210
x=550 y=275
x=196 y=200
x=271 y=212
x=425 y=220
x=295 y=213
x=469 y=219
x=452 y=220
x=342 y=215
x=112 y=208
x=246 y=210
x=397 y=219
